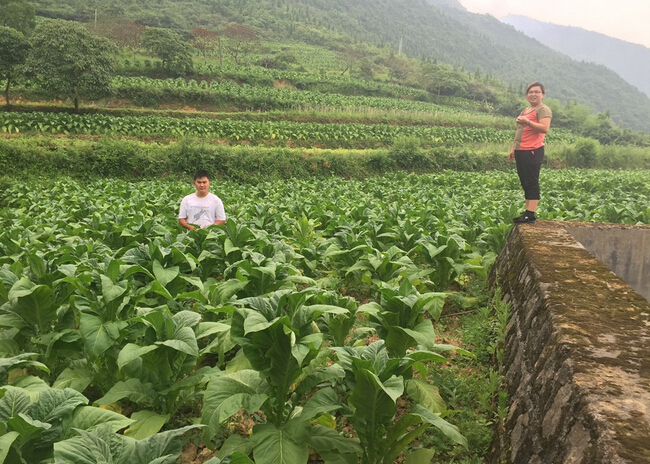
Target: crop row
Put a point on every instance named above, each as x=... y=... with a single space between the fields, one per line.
x=311 y=81
x=226 y=92
x=254 y=131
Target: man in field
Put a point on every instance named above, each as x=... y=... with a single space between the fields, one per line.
x=201 y=209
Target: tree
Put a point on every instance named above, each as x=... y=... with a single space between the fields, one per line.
x=356 y=57
x=124 y=33
x=14 y=48
x=17 y=14
x=176 y=55
x=70 y=59
x=242 y=40
x=205 y=41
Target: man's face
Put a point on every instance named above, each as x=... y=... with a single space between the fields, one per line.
x=202 y=185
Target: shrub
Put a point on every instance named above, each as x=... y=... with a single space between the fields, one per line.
x=584 y=153
x=408 y=154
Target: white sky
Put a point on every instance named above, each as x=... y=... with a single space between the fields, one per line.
x=627 y=20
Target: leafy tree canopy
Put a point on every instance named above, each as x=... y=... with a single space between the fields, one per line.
x=17 y=14
x=70 y=59
x=15 y=48
x=176 y=55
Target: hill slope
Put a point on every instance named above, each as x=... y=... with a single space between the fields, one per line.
x=441 y=32
x=631 y=61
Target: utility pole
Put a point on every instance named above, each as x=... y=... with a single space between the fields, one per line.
x=399 y=50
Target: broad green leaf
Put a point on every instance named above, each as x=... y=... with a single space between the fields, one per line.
x=224 y=291
x=98 y=336
x=228 y=247
x=34 y=303
x=227 y=394
x=32 y=385
x=256 y=322
x=445 y=427
x=206 y=329
x=277 y=446
x=240 y=458
x=13 y=320
x=374 y=405
x=156 y=287
x=6 y=441
x=111 y=291
x=421 y=456
x=55 y=404
x=132 y=389
x=306 y=345
x=77 y=379
x=20 y=361
x=91 y=447
x=422 y=333
x=88 y=417
x=434 y=303
x=161 y=448
x=235 y=444
x=37 y=265
x=146 y=424
x=131 y=352
x=165 y=275
x=195 y=281
x=184 y=341
x=186 y=319
x=28 y=428
x=323 y=401
x=426 y=395
x=14 y=401
x=327 y=440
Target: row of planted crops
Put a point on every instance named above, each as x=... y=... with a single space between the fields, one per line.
x=310 y=315
x=253 y=131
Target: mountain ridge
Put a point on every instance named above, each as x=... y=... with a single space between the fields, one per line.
x=629 y=60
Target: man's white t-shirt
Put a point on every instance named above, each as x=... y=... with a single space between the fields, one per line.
x=202 y=211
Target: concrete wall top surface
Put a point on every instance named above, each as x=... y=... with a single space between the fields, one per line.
x=624 y=249
x=577 y=349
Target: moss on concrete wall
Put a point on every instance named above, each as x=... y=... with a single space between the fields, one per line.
x=577 y=360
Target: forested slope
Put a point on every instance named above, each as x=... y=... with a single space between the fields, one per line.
x=478 y=43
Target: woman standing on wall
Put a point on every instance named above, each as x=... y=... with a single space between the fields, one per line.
x=528 y=150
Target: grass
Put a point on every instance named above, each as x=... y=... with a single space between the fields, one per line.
x=471 y=387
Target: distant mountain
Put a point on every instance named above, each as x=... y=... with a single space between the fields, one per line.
x=630 y=61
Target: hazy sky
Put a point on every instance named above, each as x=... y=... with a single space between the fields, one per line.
x=627 y=20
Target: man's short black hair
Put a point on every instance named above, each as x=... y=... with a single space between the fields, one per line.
x=201 y=173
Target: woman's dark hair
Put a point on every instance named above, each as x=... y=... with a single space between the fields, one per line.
x=536 y=84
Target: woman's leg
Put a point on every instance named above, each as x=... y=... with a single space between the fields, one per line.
x=531 y=205
x=529 y=164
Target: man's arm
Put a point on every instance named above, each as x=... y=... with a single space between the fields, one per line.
x=186 y=225
x=220 y=213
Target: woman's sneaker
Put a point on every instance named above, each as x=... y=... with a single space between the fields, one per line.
x=525 y=218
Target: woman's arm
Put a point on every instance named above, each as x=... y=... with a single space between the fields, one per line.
x=542 y=126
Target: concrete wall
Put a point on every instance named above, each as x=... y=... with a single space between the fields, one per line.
x=624 y=249
x=577 y=355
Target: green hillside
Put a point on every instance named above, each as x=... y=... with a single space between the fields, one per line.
x=477 y=43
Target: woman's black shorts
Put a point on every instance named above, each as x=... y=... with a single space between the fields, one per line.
x=529 y=163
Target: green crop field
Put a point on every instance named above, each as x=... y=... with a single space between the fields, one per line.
x=102 y=293
x=341 y=315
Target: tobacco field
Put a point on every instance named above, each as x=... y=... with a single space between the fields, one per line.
x=312 y=313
